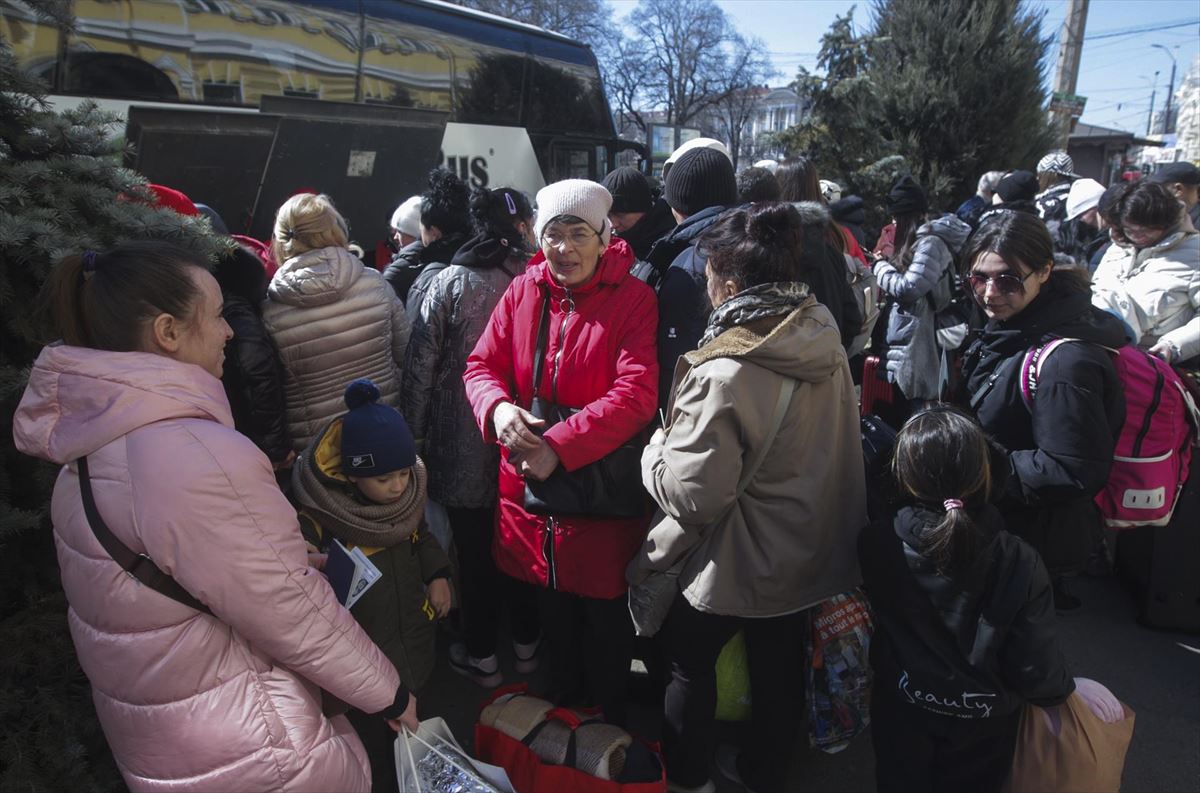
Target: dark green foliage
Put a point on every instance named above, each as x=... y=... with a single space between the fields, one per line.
x=842 y=133
x=61 y=191
x=960 y=89
x=942 y=89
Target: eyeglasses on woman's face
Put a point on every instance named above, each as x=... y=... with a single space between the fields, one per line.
x=576 y=237
x=1141 y=235
x=1005 y=283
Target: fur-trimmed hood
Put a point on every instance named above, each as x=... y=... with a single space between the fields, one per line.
x=813 y=213
x=804 y=344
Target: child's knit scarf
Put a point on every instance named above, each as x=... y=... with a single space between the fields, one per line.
x=353 y=520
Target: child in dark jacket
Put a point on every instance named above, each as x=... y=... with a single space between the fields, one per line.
x=360 y=482
x=964 y=613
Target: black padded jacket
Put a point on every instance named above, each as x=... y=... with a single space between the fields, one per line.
x=1061 y=450
x=253 y=380
x=973 y=646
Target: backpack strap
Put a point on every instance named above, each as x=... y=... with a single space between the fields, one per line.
x=1031 y=368
x=138 y=566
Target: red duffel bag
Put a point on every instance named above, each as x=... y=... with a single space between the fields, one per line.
x=530 y=774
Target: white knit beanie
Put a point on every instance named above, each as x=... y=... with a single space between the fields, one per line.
x=407 y=217
x=584 y=199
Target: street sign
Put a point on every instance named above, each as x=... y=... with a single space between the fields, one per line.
x=1067 y=104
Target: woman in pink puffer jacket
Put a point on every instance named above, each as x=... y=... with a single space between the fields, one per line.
x=188 y=700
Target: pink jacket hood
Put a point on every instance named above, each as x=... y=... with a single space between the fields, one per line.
x=77 y=400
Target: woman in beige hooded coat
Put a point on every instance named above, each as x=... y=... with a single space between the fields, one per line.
x=759 y=476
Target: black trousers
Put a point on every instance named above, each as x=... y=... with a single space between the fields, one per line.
x=483 y=589
x=589 y=644
x=377 y=738
x=919 y=750
x=692 y=640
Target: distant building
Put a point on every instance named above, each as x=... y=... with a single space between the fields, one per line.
x=1102 y=153
x=778 y=109
x=1187 y=127
x=774 y=110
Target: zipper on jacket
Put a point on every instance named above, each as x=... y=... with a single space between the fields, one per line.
x=568 y=304
x=548 y=552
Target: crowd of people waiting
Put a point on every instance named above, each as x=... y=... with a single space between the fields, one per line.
x=703 y=344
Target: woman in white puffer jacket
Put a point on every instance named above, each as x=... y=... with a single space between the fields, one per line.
x=1153 y=280
x=332 y=319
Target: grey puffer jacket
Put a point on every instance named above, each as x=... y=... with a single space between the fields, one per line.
x=463 y=468
x=334 y=321
x=912 y=355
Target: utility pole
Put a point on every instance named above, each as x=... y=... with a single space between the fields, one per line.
x=1150 y=115
x=1166 y=125
x=1063 y=108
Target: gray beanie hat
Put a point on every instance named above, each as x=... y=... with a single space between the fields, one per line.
x=581 y=198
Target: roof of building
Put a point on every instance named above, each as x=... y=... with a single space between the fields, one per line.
x=1090 y=133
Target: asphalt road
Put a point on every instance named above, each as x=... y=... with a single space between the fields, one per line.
x=1155 y=673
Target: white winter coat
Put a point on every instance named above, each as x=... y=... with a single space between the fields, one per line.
x=1156 y=290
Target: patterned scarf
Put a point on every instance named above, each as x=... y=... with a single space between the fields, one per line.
x=764 y=300
x=354 y=521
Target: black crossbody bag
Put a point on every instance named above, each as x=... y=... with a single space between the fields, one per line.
x=138 y=566
x=609 y=487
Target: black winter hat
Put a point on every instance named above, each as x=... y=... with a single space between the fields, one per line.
x=700 y=179
x=906 y=196
x=630 y=190
x=1018 y=186
x=1182 y=172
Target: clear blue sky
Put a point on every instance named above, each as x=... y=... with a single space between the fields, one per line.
x=1116 y=72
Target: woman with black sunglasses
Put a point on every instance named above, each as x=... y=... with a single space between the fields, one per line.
x=1060 y=446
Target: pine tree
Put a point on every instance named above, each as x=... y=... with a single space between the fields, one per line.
x=842 y=130
x=62 y=190
x=960 y=89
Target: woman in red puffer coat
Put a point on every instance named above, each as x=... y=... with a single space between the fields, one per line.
x=599 y=358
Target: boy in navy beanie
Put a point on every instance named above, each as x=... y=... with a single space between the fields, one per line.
x=361 y=482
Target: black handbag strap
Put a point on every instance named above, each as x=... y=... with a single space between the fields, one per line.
x=543 y=338
x=137 y=565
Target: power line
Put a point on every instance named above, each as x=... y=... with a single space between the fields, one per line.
x=1139 y=30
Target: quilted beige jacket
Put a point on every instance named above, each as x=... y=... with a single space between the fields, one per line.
x=334 y=321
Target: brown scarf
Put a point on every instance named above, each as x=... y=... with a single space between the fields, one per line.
x=352 y=520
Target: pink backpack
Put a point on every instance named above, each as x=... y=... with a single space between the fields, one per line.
x=1150 y=463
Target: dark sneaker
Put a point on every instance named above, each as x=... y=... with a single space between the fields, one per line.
x=1063 y=599
x=727 y=757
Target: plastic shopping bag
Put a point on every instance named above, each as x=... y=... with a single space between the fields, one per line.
x=733 y=681
x=431 y=761
x=839 y=673
x=1069 y=748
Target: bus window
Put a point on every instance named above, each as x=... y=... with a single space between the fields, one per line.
x=405 y=64
x=571 y=162
x=210 y=51
x=563 y=98
x=491 y=91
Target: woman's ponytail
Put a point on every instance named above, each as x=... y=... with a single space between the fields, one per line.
x=102 y=300
x=943 y=460
x=62 y=301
